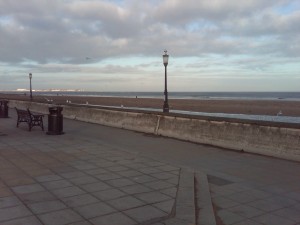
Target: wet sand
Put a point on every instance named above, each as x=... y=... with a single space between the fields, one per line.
x=254 y=107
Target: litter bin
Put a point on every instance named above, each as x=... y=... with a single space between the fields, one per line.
x=3 y=109
x=55 y=121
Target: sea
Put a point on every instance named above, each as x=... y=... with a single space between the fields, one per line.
x=288 y=96
x=278 y=96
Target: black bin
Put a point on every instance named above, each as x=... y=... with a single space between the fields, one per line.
x=3 y=109
x=55 y=121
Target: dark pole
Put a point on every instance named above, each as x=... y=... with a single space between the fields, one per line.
x=30 y=76
x=166 y=104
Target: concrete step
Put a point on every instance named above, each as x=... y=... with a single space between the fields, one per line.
x=204 y=208
x=193 y=202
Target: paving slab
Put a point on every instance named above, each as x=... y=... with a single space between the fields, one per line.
x=14 y=212
x=93 y=174
x=26 y=189
x=273 y=219
x=80 y=200
x=109 y=194
x=94 y=210
x=145 y=214
x=86 y=184
x=118 y=218
x=47 y=206
x=135 y=189
x=94 y=187
x=9 y=201
x=127 y=202
x=61 y=217
x=152 y=197
x=37 y=197
x=31 y=220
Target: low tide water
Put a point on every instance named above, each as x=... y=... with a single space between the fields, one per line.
x=279 y=96
x=288 y=96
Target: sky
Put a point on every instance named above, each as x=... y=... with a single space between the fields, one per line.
x=101 y=45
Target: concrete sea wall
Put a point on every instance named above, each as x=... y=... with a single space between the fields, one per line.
x=269 y=139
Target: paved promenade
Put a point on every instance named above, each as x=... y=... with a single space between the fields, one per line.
x=106 y=176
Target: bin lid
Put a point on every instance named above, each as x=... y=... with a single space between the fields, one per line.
x=56 y=108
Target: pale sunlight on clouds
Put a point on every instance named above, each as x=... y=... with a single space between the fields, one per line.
x=97 y=45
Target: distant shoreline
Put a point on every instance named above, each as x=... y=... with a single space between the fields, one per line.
x=285 y=96
x=238 y=106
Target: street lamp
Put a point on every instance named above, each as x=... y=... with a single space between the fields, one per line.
x=30 y=76
x=165 y=61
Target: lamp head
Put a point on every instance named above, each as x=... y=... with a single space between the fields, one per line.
x=30 y=75
x=165 y=58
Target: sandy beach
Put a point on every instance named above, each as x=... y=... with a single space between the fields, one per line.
x=254 y=107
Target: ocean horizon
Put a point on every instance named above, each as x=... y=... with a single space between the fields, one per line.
x=291 y=96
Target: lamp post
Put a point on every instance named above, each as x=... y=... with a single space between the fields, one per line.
x=165 y=61
x=30 y=76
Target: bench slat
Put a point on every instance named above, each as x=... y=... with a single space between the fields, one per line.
x=30 y=118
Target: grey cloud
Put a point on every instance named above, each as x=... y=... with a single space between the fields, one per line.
x=68 y=31
x=35 y=7
x=71 y=68
x=111 y=20
x=264 y=24
x=182 y=12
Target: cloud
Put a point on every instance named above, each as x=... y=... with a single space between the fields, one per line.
x=181 y=12
x=60 y=34
x=66 y=30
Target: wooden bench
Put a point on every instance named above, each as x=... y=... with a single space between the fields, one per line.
x=31 y=119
